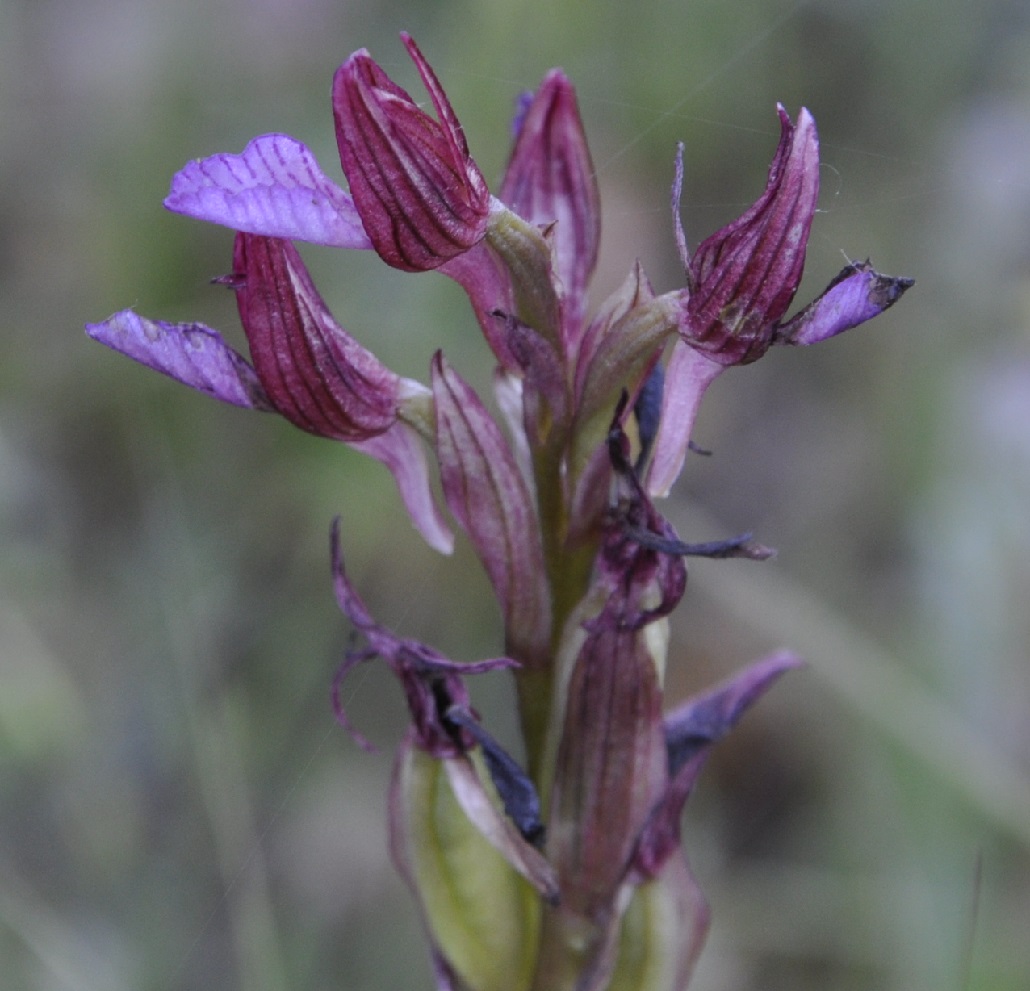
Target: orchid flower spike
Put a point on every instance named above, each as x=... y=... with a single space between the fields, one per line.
x=562 y=867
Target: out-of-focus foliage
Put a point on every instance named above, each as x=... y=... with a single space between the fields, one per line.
x=178 y=809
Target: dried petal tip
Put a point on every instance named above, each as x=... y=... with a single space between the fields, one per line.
x=517 y=792
x=705 y=719
x=857 y=294
x=690 y=731
x=421 y=197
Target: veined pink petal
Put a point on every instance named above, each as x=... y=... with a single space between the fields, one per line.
x=550 y=180
x=488 y=495
x=743 y=277
x=421 y=197
x=689 y=374
x=275 y=188
x=315 y=373
x=610 y=767
x=191 y=353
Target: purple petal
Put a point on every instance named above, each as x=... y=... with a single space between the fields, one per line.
x=275 y=188
x=402 y=450
x=488 y=495
x=315 y=373
x=689 y=374
x=550 y=180
x=191 y=353
x=706 y=719
x=857 y=294
x=690 y=731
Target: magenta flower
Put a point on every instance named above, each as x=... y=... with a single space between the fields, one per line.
x=742 y=280
x=420 y=196
x=570 y=872
x=306 y=367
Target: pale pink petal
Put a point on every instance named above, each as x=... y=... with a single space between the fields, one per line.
x=688 y=375
x=498 y=829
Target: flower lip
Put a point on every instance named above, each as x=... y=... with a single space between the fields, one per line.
x=273 y=187
x=420 y=196
x=857 y=293
x=191 y=353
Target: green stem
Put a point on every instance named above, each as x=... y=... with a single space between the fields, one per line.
x=568 y=576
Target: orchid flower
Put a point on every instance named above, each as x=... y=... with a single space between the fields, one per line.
x=742 y=280
x=568 y=872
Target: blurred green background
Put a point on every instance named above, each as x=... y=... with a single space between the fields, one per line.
x=177 y=808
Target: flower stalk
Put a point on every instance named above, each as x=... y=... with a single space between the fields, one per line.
x=568 y=872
